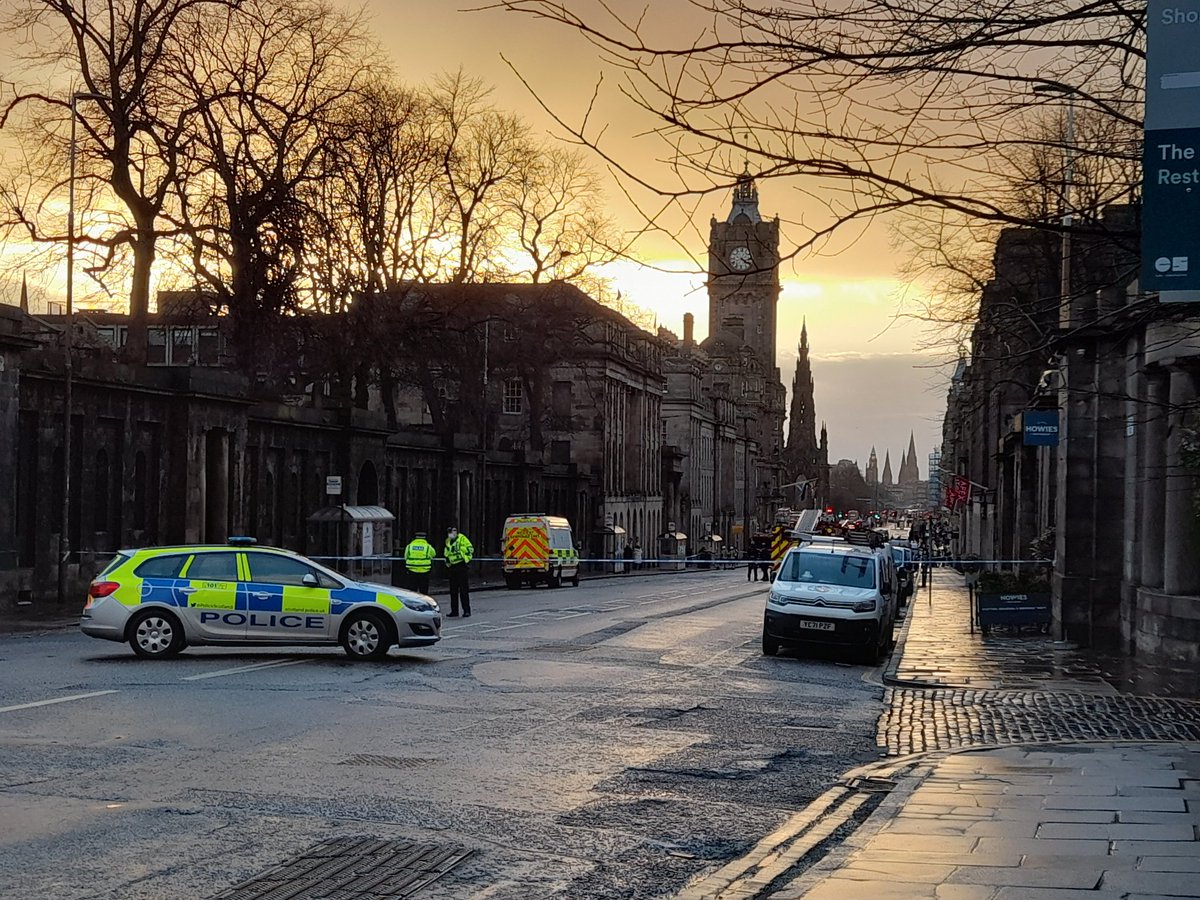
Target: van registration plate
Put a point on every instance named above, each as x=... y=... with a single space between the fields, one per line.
x=816 y=626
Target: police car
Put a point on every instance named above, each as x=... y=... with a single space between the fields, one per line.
x=162 y=599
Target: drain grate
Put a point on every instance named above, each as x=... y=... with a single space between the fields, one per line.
x=352 y=868
x=389 y=762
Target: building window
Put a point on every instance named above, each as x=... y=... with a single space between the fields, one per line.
x=514 y=396
x=182 y=341
x=208 y=346
x=156 y=346
x=561 y=399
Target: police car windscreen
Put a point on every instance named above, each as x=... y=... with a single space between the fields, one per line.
x=829 y=568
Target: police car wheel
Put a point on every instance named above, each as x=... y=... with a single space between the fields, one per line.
x=555 y=579
x=575 y=580
x=365 y=636
x=154 y=634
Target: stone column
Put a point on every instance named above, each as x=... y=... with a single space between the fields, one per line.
x=1153 y=425
x=1181 y=559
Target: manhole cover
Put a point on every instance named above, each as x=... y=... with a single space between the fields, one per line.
x=352 y=868
x=389 y=762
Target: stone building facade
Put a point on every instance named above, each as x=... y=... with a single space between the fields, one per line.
x=1114 y=505
x=558 y=384
x=709 y=443
x=190 y=449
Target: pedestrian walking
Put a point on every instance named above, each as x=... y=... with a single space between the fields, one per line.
x=765 y=558
x=751 y=553
x=418 y=561
x=628 y=556
x=459 y=554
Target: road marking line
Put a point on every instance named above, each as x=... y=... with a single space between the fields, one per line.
x=4 y=709
x=274 y=664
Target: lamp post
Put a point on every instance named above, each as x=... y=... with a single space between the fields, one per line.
x=64 y=534
x=1064 y=284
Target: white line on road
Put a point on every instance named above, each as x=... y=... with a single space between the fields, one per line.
x=274 y=664
x=4 y=709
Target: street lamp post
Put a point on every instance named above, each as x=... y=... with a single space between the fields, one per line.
x=64 y=534
x=1064 y=283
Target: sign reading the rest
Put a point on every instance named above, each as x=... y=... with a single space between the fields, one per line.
x=1171 y=152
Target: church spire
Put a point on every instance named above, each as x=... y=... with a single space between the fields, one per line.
x=910 y=471
x=24 y=294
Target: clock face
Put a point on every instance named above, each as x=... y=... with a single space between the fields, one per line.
x=740 y=259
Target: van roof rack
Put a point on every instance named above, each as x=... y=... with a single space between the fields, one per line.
x=866 y=537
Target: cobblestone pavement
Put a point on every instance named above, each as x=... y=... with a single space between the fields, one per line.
x=918 y=720
x=954 y=689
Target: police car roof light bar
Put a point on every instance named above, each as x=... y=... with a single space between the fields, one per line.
x=241 y=541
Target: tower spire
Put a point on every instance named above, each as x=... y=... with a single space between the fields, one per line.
x=745 y=199
x=24 y=294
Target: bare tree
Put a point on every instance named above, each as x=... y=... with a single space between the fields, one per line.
x=555 y=202
x=891 y=106
x=382 y=216
x=953 y=252
x=116 y=50
x=483 y=149
x=265 y=81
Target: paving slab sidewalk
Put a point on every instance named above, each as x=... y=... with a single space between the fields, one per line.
x=1093 y=822
x=1036 y=821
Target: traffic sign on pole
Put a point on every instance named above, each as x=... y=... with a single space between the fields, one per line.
x=333 y=485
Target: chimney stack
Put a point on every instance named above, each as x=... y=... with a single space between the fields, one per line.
x=689 y=331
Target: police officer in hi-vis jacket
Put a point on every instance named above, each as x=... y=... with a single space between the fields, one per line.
x=459 y=554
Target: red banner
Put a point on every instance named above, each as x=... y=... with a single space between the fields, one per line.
x=958 y=491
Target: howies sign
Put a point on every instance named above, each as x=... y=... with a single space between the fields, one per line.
x=1040 y=427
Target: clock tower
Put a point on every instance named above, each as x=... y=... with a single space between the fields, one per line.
x=743 y=273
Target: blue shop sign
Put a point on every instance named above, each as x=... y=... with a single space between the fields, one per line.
x=1040 y=427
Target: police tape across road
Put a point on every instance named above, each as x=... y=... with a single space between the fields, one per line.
x=715 y=560
x=645 y=560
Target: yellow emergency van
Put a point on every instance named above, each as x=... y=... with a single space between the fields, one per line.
x=539 y=548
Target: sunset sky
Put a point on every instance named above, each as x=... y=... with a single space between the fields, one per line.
x=872 y=385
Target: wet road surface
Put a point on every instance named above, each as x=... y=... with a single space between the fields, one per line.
x=608 y=741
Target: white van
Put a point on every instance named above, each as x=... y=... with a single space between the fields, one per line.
x=834 y=592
